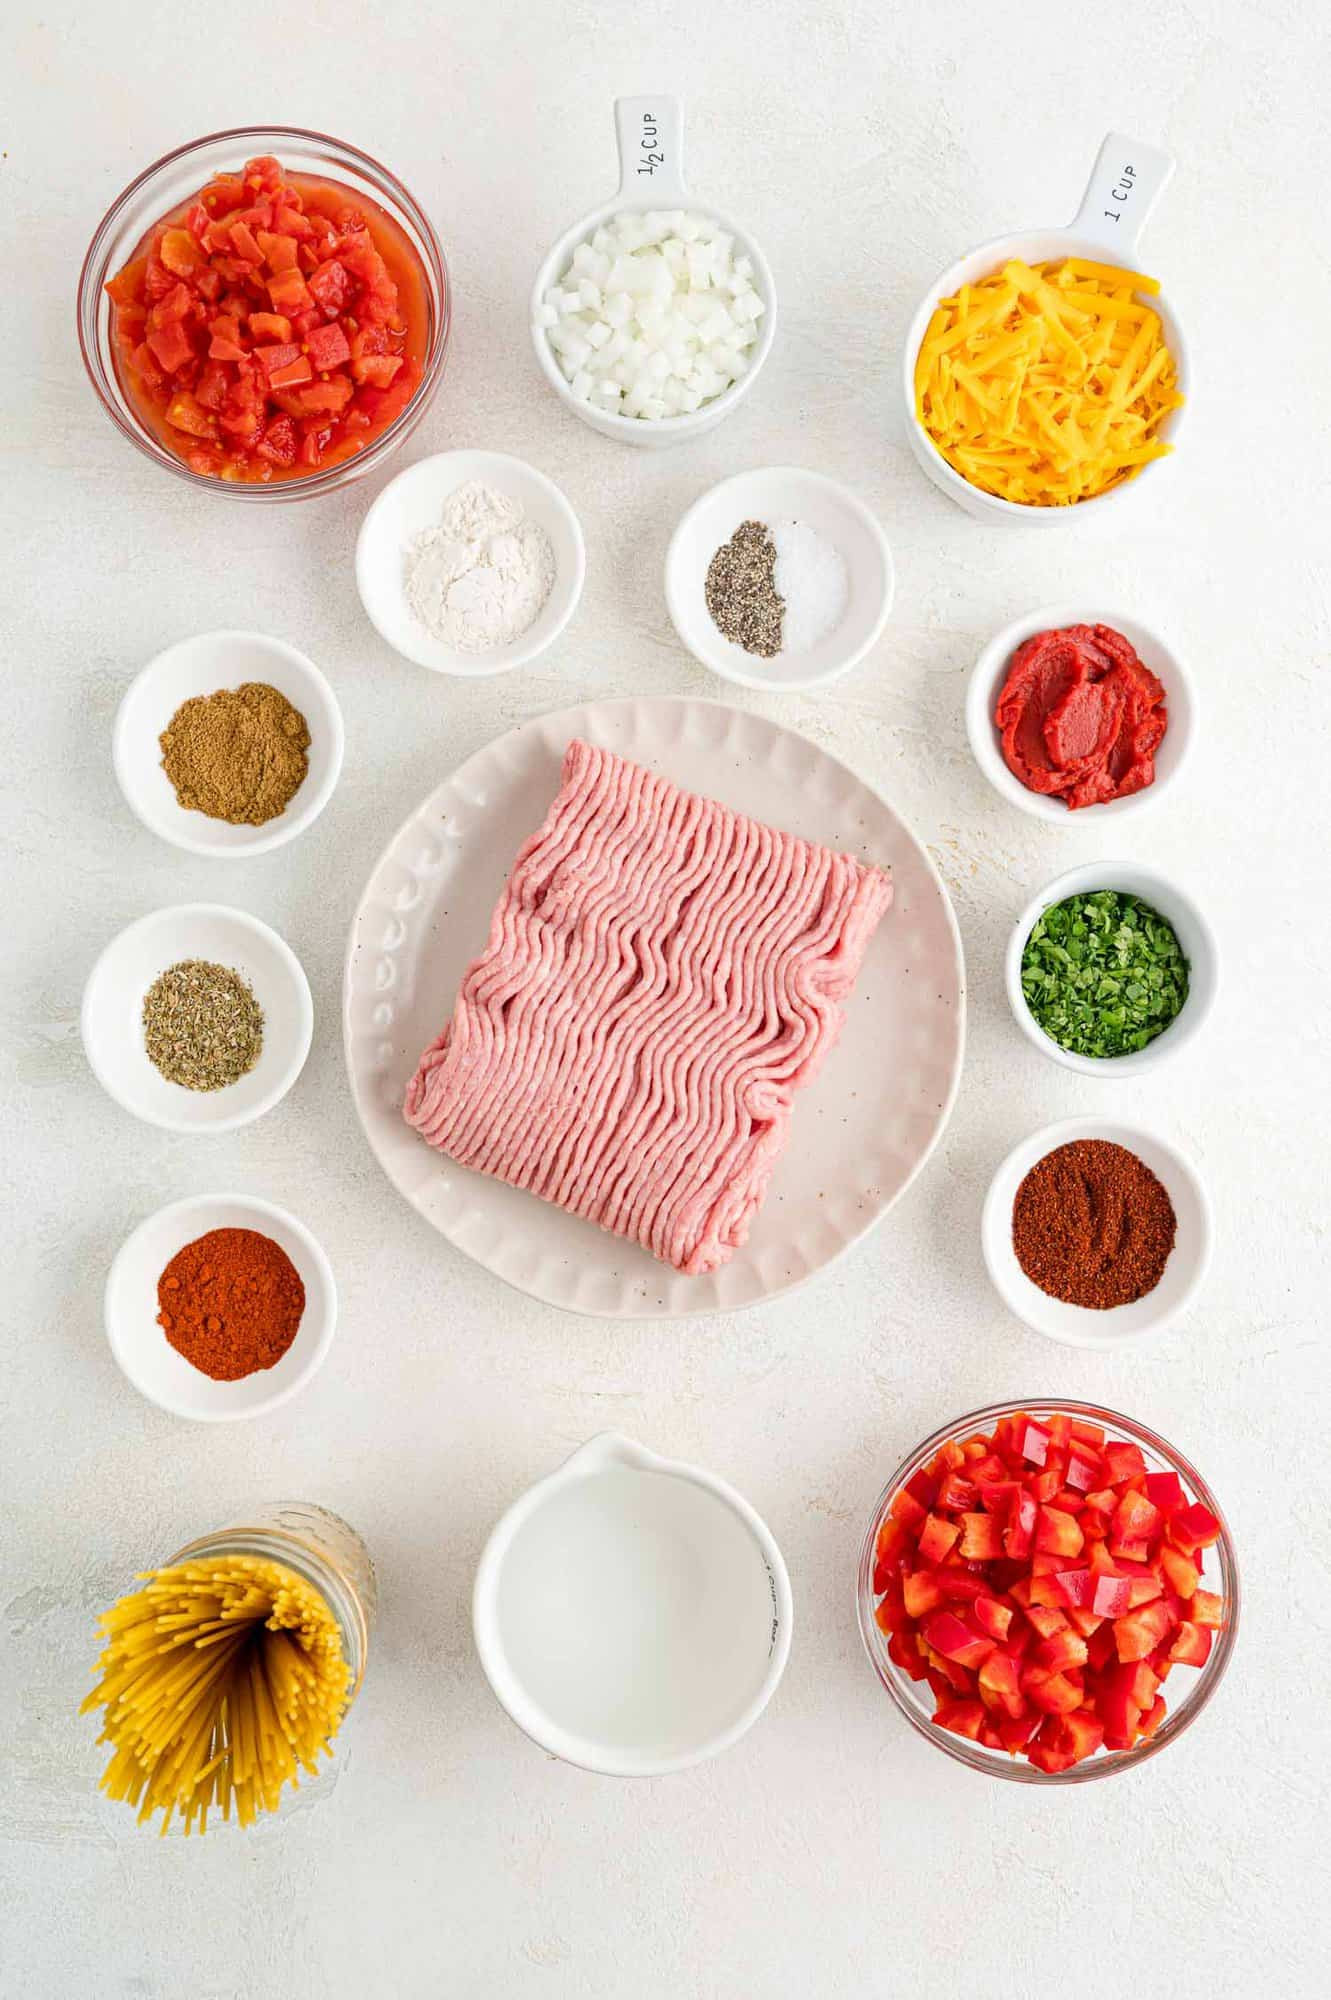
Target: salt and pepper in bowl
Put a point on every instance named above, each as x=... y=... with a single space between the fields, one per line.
x=779 y=579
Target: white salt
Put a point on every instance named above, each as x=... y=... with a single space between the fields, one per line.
x=811 y=577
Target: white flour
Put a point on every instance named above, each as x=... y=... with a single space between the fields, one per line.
x=481 y=577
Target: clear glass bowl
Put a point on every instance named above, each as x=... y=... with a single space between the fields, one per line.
x=171 y=181
x=1187 y=1691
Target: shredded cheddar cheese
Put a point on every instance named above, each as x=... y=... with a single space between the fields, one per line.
x=1046 y=384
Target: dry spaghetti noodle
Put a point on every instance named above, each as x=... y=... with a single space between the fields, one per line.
x=222 y=1679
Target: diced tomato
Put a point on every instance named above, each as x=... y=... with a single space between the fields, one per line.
x=185 y=413
x=170 y=345
x=274 y=327
x=379 y=370
x=328 y=346
x=238 y=255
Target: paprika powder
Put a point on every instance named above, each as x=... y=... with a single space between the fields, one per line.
x=230 y=1303
x=1092 y=1225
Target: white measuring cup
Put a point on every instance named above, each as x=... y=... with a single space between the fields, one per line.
x=632 y=1613
x=1127 y=181
x=650 y=131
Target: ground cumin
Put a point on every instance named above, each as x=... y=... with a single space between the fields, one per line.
x=230 y=1302
x=237 y=755
x=1092 y=1225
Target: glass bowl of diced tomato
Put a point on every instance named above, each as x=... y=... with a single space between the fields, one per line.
x=265 y=312
x=1048 y=1591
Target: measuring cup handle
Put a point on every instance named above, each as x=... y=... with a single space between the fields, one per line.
x=651 y=150
x=1127 y=181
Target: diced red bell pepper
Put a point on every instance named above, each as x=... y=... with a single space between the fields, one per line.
x=922 y=1593
x=905 y=1507
x=1165 y=1491
x=1179 y=1570
x=992 y=1617
x=1152 y=1717
x=1034 y=1443
x=1055 y=1693
x=957 y=1495
x=962 y=1583
x=1206 y=1608
x=1136 y=1519
x=1140 y=1632
x=1065 y=1649
x=1065 y=1740
x=955 y=1641
x=1123 y=1461
x=964 y=1718
x=1019 y=1534
x=1110 y=1597
x=1191 y=1645
x=1000 y=1683
x=1085 y=1468
x=981 y=1537
x=1058 y=1534
x=1017 y=1730
x=1194 y=1527
x=937 y=1537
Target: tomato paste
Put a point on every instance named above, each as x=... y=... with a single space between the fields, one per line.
x=1081 y=716
x=272 y=326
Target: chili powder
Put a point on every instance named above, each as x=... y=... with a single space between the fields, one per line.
x=230 y=1303
x=1092 y=1225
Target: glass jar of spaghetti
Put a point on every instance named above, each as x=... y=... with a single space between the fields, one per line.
x=323 y=1550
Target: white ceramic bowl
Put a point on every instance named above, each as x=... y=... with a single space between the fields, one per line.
x=1127 y=181
x=413 y=502
x=1194 y=934
x=633 y=1614
x=650 y=132
x=202 y=665
x=986 y=683
x=781 y=492
x=145 y=1355
x=112 y=1015
x=1081 y=1326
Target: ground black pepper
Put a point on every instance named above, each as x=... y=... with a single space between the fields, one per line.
x=1092 y=1225
x=742 y=597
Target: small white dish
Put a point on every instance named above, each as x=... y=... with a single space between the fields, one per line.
x=1082 y=1326
x=632 y=1614
x=1191 y=928
x=1126 y=182
x=781 y=492
x=413 y=502
x=202 y=665
x=112 y=1015
x=145 y=1355
x=986 y=684
x=650 y=133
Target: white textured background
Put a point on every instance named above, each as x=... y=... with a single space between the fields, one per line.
x=832 y=1852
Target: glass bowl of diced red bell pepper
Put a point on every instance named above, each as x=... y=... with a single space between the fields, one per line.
x=265 y=313
x=1048 y=1591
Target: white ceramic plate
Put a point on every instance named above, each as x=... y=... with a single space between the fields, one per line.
x=413 y=502
x=112 y=1015
x=862 y=1129
x=202 y=665
x=781 y=492
x=1081 y=1326
x=147 y=1357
